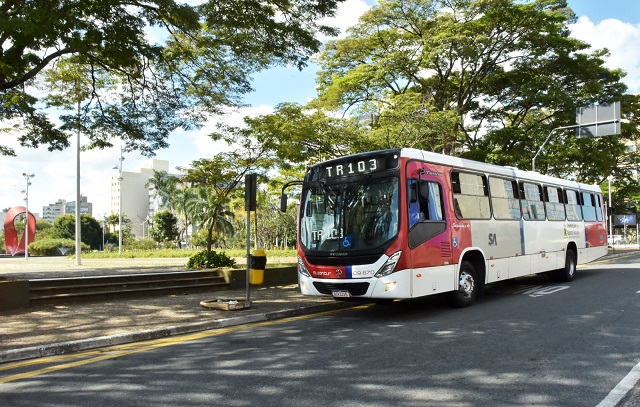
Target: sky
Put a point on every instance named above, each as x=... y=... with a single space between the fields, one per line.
x=614 y=24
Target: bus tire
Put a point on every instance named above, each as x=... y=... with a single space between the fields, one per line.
x=568 y=273
x=468 y=286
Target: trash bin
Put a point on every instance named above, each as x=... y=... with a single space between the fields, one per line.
x=257 y=264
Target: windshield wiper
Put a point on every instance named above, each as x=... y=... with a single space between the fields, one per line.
x=352 y=193
x=325 y=193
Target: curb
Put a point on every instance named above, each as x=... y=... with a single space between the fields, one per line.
x=61 y=348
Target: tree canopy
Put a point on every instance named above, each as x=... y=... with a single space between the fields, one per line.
x=485 y=79
x=171 y=62
x=90 y=229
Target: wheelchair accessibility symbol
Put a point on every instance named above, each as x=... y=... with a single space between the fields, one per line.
x=346 y=241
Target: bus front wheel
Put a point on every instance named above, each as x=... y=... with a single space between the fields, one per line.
x=468 y=286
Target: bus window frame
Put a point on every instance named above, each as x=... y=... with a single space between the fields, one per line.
x=516 y=197
x=584 y=207
x=577 y=205
x=523 y=197
x=561 y=199
x=424 y=229
x=485 y=189
x=599 y=212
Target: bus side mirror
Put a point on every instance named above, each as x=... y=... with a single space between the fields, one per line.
x=283 y=203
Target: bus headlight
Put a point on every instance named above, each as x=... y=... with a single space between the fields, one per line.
x=389 y=266
x=302 y=268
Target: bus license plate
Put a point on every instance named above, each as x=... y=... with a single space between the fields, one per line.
x=341 y=293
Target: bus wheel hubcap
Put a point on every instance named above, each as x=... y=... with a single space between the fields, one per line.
x=466 y=284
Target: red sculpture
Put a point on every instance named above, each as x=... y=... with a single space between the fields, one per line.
x=11 y=234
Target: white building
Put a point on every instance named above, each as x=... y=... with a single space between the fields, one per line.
x=137 y=198
x=85 y=206
x=53 y=211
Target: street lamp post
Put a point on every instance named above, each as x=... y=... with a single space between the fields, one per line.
x=119 y=168
x=26 y=225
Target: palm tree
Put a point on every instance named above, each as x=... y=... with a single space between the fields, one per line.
x=181 y=198
x=164 y=186
x=208 y=211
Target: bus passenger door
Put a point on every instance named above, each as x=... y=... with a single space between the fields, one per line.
x=428 y=235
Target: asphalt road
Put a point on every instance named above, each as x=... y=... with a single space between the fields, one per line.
x=528 y=342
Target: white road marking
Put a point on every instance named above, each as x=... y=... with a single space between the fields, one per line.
x=622 y=389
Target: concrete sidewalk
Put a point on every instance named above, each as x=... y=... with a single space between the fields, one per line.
x=56 y=329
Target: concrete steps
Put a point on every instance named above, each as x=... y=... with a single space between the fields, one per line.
x=77 y=289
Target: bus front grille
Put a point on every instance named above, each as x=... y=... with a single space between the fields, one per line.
x=353 y=288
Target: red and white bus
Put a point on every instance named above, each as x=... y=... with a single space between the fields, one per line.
x=406 y=223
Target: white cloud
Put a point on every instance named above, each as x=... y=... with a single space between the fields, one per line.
x=620 y=38
x=346 y=16
x=206 y=147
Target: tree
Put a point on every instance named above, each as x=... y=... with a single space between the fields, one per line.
x=205 y=62
x=485 y=79
x=64 y=227
x=164 y=187
x=297 y=134
x=165 y=227
x=215 y=179
x=112 y=221
x=208 y=211
x=181 y=197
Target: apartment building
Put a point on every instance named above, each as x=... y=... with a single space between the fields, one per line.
x=62 y=207
x=138 y=203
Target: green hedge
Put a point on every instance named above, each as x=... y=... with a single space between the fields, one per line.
x=56 y=247
x=210 y=260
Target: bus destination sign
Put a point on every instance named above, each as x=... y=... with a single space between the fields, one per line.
x=356 y=165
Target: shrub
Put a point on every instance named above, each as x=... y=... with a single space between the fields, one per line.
x=210 y=260
x=142 y=244
x=55 y=247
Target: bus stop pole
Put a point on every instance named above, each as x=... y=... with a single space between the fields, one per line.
x=248 y=255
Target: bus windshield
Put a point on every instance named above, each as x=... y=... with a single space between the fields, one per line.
x=359 y=213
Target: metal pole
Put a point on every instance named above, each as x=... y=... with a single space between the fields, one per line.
x=78 y=220
x=248 y=255
x=120 y=205
x=26 y=225
x=533 y=162
x=610 y=214
x=575 y=126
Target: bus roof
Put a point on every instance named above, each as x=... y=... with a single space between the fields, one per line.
x=499 y=170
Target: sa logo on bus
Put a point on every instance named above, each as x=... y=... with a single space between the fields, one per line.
x=493 y=239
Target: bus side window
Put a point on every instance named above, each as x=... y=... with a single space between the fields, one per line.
x=425 y=203
x=598 y=207
x=504 y=193
x=553 y=198
x=572 y=205
x=531 y=201
x=431 y=200
x=588 y=207
x=470 y=195
x=415 y=214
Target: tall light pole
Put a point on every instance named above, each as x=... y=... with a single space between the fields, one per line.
x=26 y=225
x=78 y=218
x=119 y=168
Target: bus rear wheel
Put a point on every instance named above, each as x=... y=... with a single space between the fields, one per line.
x=568 y=273
x=468 y=286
